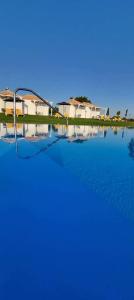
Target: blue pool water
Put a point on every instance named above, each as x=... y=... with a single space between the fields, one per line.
x=66 y=213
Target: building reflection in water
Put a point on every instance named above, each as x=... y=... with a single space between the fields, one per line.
x=79 y=134
x=37 y=132
x=30 y=132
x=45 y=136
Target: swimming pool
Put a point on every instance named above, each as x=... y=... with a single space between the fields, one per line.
x=66 y=212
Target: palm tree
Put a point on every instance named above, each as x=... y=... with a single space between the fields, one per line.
x=126 y=113
x=108 y=112
x=118 y=113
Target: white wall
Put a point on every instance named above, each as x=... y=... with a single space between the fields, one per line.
x=95 y=113
x=31 y=108
x=78 y=112
x=1 y=104
x=9 y=104
x=87 y=113
x=67 y=110
x=42 y=110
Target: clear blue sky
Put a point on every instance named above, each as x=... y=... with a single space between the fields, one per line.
x=69 y=48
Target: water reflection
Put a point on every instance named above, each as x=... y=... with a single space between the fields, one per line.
x=79 y=134
x=37 y=132
x=30 y=132
x=52 y=134
x=131 y=148
x=94 y=154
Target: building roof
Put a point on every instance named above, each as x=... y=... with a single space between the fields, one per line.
x=8 y=94
x=31 y=97
x=77 y=102
x=64 y=103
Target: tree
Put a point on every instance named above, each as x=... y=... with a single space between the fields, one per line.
x=55 y=111
x=83 y=99
x=126 y=113
x=108 y=112
x=118 y=113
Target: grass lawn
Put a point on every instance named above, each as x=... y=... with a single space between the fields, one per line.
x=75 y=121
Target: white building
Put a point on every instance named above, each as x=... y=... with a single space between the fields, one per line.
x=6 y=102
x=25 y=104
x=66 y=109
x=34 y=106
x=75 y=109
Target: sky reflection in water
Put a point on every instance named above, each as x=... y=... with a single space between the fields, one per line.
x=66 y=212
